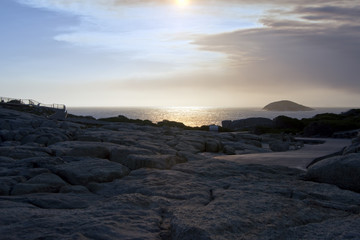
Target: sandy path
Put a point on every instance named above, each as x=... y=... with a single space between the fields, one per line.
x=294 y=159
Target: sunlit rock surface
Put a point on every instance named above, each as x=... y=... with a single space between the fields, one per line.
x=65 y=180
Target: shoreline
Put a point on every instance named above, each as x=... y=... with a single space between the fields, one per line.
x=193 y=117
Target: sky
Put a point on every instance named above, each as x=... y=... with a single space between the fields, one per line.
x=211 y=53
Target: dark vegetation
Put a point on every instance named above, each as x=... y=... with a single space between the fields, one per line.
x=321 y=125
x=164 y=123
x=80 y=117
x=124 y=119
x=328 y=123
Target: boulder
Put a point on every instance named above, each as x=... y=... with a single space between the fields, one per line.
x=6 y=161
x=354 y=147
x=26 y=188
x=21 y=152
x=136 y=161
x=228 y=150
x=6 y=135
x=190 y=156
x=74 y=189
x=32 y=172
x=47 y=178
x=246 y=148
x=49 y=124
x=212 y=145
x=91 y=170
x=40 y=162
x=8 y=182
x=4 y=124
x=156 y=147
x=28 y=139
x=121 y=153
x=58 y=201
x=279 y=146
x=191 y=143
x=45 y=182
x=83 y=149
x=10 y=144
x=342 y=171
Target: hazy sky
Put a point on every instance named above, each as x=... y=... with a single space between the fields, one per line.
x=236 y=53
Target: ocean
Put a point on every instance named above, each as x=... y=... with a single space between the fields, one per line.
x=193 y=116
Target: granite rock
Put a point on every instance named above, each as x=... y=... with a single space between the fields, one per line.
x=343 y=171
x=279 y=146
x=79 y=187
x=87 y=170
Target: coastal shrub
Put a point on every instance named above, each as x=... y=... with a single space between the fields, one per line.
x=124 y=119
x=352 y=113
x=167 y=123
x=324 y=125
x=327 y=116
x=80 y=117
x=258 y=130
x=289 y=124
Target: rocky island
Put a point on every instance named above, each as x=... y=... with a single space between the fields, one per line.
x=286 y=105
x=82 y=178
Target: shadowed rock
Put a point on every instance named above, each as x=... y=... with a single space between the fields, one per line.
x=87 y=170
x=343 y=171
x=136 y=161
x=279 y=146
x=46 y=182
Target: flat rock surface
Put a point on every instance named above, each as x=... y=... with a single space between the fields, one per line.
x=206 y=199
x=295 y=159
x=91 y=180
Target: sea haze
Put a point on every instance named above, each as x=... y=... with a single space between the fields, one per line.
x=193 y=116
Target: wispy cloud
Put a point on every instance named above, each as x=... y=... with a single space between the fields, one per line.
x=156 y=31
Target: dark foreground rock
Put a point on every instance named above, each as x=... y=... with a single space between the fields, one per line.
x=206 y=199
x=125 y=181
x=341 y=168
x=343 y=171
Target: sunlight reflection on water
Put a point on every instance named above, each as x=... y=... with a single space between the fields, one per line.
x=192 y=116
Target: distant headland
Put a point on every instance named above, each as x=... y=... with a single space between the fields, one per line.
x=286 y=105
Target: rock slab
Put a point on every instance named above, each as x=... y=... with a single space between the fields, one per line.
x=343 y=171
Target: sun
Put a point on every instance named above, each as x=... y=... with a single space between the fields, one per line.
x=182 y=2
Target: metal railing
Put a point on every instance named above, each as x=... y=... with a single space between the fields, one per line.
x=31 y=102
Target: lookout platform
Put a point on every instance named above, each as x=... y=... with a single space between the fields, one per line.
x=52 y=111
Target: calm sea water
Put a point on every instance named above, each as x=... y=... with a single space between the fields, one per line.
x=193 y=116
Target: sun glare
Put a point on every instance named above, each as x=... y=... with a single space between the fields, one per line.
x=182 y=2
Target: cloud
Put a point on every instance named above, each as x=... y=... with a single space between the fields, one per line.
x=295 y=50
x=332 y=13
x=296 y=46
